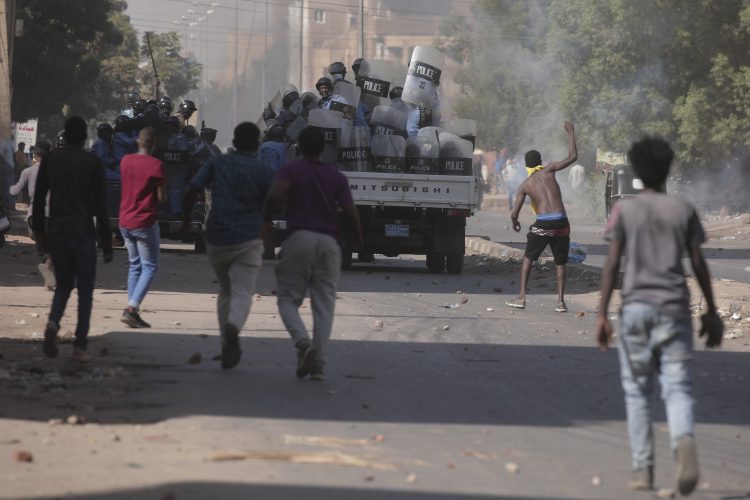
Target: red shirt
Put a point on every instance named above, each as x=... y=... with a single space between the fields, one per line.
x=139 y=204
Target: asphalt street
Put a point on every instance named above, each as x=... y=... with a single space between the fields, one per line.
x=471 y=402
x=728 y=259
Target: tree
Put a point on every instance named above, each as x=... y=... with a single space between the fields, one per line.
x=57 y=61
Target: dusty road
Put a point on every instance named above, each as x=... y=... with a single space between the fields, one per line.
x=476 y=402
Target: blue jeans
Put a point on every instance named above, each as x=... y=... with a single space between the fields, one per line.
x=651 y=345
x=143 y=254
x=74 y=256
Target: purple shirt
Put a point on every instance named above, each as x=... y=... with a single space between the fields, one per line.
x=316 y=190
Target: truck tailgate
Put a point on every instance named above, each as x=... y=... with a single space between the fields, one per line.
x=411 y=190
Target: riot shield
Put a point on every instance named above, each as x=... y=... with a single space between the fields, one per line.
x=422 y=155
x=374 y=90
x=330 y=123
x=465 y=129
x=431 y=132
x=423 y=77
x=345 y=99
x=354 y=152
x=456 y=155
x=388 y=120
x=388 y=154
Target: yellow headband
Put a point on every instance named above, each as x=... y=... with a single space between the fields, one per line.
x=533 y=170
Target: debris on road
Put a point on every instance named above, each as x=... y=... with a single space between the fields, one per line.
x=195 y=359
x=464 y=300
x=596 y=481
x=331 y=441
x=497 y=290
x=411 y=478
x=377 y=325
x=490 y=309
x=580 y=314
x=321 y=458
x=665 y=493
x=734 y=334
x=446 y=328
x=23 y=456
x=451 y=306
x=512 y=467
x=75 y=420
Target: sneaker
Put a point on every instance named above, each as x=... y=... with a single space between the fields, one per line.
x=49 y=277
x=50 y=339
x=642 y=479
x=317 y=374
x=687 y=465
x=81 y=355
x=561 y=307
x=305 y=357
x=133 y=319
x=517 y=303
x=230 y=347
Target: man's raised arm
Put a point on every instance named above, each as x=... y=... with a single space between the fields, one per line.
x=572 y=151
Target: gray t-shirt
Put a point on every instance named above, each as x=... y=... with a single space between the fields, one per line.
x=656 y=231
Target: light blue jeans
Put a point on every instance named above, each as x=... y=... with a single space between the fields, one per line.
x=651 y=345
x=143 y=254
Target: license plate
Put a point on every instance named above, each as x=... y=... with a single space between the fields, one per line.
x=397 y=230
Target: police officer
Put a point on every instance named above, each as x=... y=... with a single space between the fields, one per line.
x=395 y=96
x=420 y=116
x=125 y=141
x=166 y=107
x=338 y=73
x=173 y=149
x=187 y=108
x=208 y=136
x=324 y=86
x=102 y=149
x=130 y=101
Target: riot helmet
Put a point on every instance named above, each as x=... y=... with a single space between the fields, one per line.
x=104 y=131
x=324 y=82
x=208 y=134
x=189 y=132
x=60 y=139
x=395 y=93
x=360 y=65
x=151 y=110
x=337 y=70
x=275 y=133
x=122 y=123
x=172 y=123
x=187 y=108
x=166 y=106
x=139 y=106
x=289 y=99
x=132 y=97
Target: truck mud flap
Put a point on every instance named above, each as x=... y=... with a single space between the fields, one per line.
x=448 y=235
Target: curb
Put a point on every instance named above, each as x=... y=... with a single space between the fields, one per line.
x=492 y=249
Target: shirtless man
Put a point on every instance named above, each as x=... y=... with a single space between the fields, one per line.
x=551 y=226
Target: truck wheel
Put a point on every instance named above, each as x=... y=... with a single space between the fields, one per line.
x=366 y=257
x=346 y=259
x=200 y=243
x=436 y=262
x=455 y=263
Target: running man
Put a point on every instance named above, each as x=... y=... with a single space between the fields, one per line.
x=551 y=226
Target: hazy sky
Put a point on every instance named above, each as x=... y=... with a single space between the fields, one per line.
x=159 y=15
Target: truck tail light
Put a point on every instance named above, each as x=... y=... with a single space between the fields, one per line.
x=459 y=213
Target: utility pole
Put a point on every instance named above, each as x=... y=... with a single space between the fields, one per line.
x=235 y=96
x=265 y=57
x=7 y=35
x=362 y=28
x=301 y=40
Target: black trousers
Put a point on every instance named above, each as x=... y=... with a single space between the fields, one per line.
x=74 y=258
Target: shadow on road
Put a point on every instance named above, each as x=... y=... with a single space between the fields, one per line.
x=146 y=378
x=227 y=491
